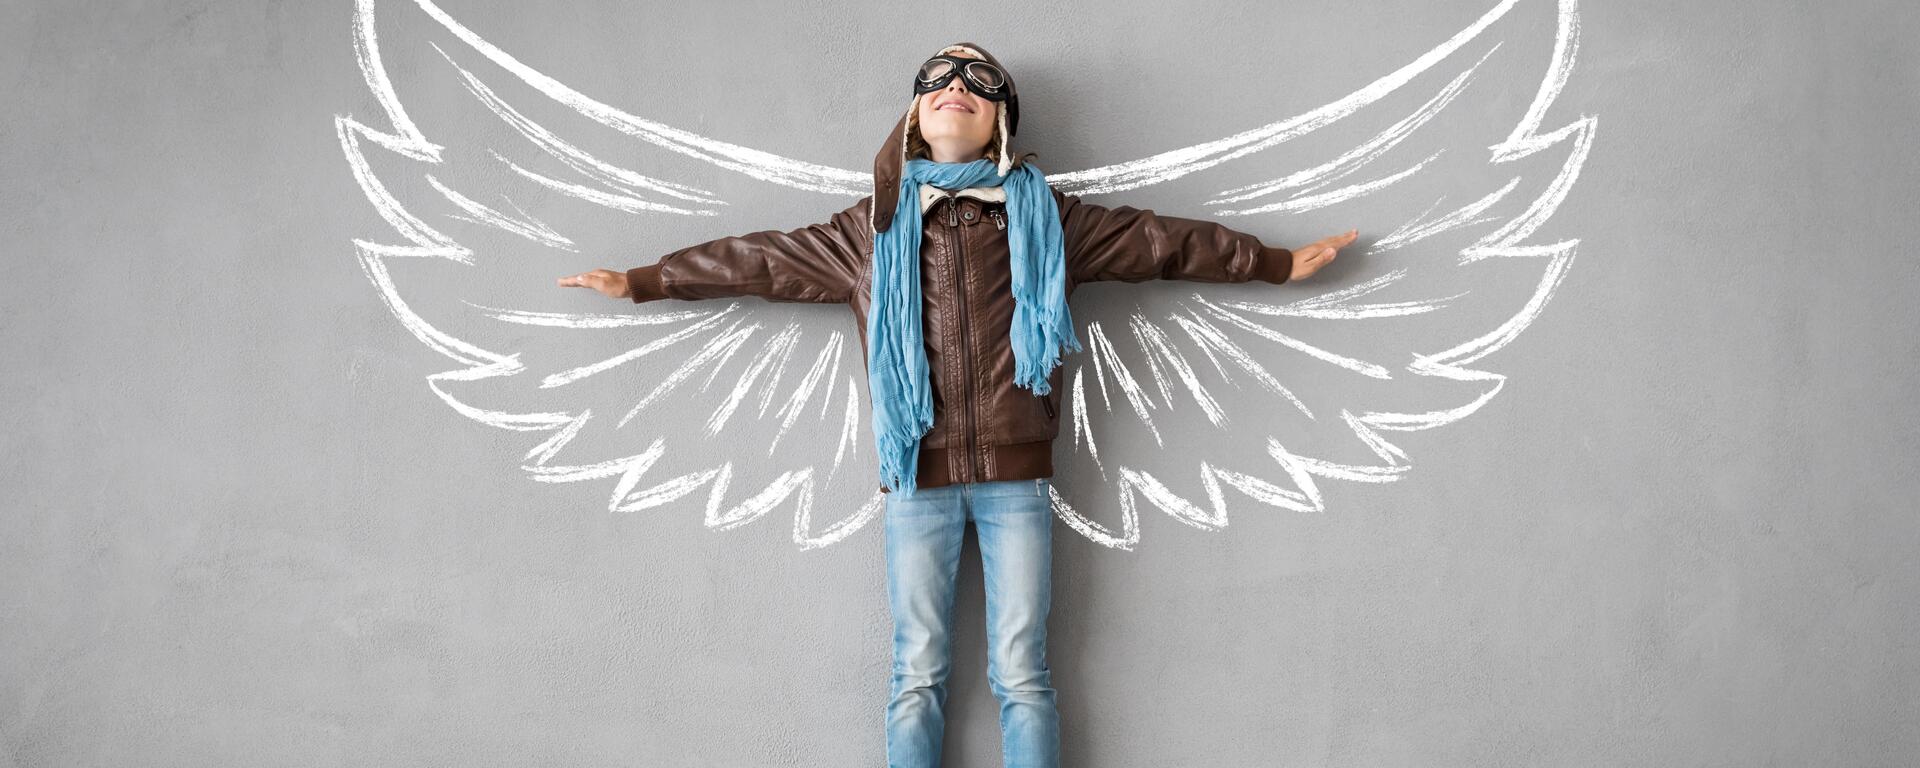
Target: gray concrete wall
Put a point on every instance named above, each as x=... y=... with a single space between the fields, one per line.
x=1657 y=509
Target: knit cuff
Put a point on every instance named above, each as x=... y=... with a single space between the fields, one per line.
x=645 y=283
x=1275 y=265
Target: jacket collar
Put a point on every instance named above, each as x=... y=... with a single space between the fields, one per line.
x=930 y=194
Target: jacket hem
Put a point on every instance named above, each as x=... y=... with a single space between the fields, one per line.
x=1018 y=461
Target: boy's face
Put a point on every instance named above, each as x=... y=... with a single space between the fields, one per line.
x=956 y=117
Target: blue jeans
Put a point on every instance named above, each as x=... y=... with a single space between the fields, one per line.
x=1014 y=522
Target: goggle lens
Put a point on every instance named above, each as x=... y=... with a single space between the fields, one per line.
x=985 y=74
x=935 y=70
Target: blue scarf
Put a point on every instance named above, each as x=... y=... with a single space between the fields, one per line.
x=896 y=357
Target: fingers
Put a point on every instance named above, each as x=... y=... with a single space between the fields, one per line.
x=1340 y=240
x=582 y=280
x=1326 y=248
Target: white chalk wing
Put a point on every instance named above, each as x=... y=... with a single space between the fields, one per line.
x=1247 y=396
x=1265 y=386
x=545 y=181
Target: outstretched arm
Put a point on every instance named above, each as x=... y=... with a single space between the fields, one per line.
x=1134 y=245
x=816 y=263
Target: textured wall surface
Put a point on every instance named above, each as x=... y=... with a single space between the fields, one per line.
x=1608 y=459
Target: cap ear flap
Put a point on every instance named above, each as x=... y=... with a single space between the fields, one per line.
x=1006 y=156
x=888 y=167
x=912 y=123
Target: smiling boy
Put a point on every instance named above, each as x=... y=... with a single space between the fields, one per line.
x=958 y=268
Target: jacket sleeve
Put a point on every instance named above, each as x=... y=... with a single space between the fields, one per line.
x=1134 y=245
x=817 y=263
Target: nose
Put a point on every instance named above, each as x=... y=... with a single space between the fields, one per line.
x=958 y=89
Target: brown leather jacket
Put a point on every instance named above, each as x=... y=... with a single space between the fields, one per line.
x=985 y=428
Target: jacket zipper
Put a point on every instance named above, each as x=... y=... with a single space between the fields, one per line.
x=997 y=221
x=966 y=335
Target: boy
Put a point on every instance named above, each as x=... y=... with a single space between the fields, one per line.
x=958 y=268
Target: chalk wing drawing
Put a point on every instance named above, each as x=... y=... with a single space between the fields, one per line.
x=785 y=408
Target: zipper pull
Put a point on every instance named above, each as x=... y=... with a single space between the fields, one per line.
x=953 y=212
x=1048 y=404
x=997 y=221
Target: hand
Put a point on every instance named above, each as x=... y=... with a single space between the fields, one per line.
x=1309 y=258
x=607 y=281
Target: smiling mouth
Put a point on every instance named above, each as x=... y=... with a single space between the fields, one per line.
x=954 y=105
